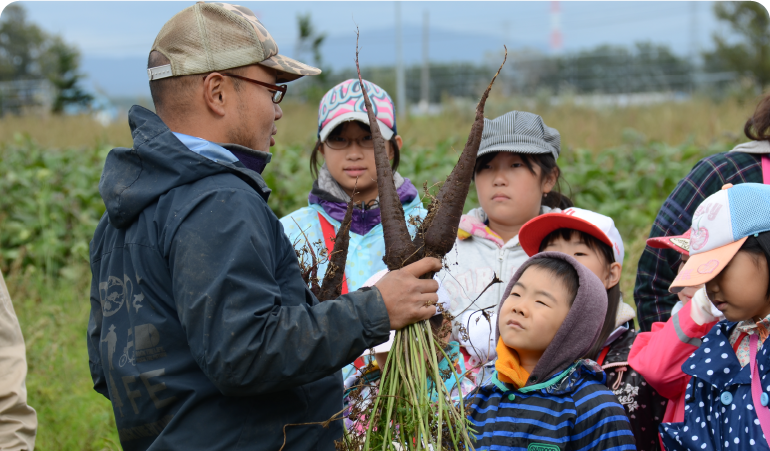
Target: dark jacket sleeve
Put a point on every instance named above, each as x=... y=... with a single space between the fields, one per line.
x=94 y=336
x=657 y=267
x=251 y=323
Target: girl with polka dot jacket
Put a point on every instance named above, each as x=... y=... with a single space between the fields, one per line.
x=726 y=400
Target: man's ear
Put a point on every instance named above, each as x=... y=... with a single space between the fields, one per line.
x=214 y=93
x=613 y=278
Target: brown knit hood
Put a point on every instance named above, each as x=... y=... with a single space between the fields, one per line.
x=581 y=327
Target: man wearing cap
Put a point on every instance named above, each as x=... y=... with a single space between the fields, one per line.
x=202 y=332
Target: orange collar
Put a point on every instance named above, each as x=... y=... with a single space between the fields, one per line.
x=509 y=367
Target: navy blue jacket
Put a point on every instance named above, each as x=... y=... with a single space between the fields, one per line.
x=719 y=412
x=573 y=410
x=202 y=333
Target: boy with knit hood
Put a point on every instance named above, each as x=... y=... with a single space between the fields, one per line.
x=543 y=395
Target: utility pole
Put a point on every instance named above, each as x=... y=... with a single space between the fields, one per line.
x=694 y=50
x=425 y=81
x=556 y=38
x=694 y=32
x=400 y=86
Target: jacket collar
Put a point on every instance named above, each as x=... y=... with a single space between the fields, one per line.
x=562 y=383
x=715 y=362
x=364 y=219
x=134 y=178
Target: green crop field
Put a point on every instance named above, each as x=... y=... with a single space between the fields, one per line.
x=620 y=162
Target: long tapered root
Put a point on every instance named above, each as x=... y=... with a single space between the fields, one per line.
x=399 y=250
x=441 y=223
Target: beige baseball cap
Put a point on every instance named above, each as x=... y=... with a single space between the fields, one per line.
x=209 y=37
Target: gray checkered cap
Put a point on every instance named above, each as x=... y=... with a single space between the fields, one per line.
x=519 y=132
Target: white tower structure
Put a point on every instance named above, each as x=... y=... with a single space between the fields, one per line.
x=556 y=38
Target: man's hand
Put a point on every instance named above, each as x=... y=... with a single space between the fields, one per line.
x=406 y=295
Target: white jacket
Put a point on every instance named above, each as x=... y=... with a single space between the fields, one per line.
x=478 y=255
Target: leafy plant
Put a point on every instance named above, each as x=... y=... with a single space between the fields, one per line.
x=49 y=207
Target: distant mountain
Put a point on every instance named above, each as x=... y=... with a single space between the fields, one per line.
x=378 y=47
x=127 y=76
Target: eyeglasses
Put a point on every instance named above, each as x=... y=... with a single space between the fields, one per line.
x=339 y=142
x=278 y=91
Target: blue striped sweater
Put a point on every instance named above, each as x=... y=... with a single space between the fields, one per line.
x=573 y=410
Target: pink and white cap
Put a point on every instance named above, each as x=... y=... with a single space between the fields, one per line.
x=595 y=224
x=345 y=102
x=720 y=226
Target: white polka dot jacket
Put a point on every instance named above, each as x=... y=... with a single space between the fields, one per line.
x=719 y=409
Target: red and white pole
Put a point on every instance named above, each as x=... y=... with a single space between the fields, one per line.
x=556 y=38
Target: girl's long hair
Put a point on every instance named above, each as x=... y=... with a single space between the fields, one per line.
x=759 y=246
x=315 y=164
x=757 y=128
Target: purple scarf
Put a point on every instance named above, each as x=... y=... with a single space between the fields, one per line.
x=363 y=220
x=251 y=160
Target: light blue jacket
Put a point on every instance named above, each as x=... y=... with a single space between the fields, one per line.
x=364 y=252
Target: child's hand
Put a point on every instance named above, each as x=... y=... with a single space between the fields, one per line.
x=480 y=343
x=702 y=310
x=408 y=298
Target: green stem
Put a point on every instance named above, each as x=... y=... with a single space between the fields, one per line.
x=461 y=420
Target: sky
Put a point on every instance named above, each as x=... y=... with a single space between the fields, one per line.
x=115 y=36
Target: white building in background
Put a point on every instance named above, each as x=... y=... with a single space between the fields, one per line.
x=25 y=96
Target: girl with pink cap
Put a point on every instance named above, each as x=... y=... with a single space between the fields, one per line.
x=346 y=147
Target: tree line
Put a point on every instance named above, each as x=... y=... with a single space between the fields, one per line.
x=29 y=53
x=643 y=67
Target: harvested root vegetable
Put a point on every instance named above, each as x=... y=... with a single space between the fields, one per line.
x=309 y=272
x=412 y=408
x=331 y=287
x=439 y=229
x=399 y=249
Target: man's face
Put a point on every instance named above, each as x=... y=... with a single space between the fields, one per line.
x=254 y=113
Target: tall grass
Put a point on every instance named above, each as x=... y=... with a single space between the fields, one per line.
x=49 y=206
x=700 y=119
x=53 y=312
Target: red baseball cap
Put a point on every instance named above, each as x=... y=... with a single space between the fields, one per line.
x=679 y=243
x=597 y=225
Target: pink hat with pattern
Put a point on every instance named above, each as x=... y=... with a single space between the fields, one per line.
x=345 y=102
x=720 y=226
